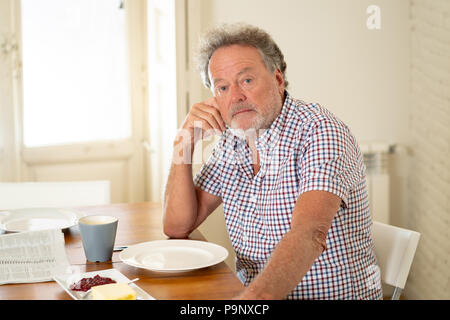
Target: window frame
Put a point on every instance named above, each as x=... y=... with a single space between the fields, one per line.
x=92 y=150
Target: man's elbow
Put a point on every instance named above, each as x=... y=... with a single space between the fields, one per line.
x=319 y=238
x=175 y=232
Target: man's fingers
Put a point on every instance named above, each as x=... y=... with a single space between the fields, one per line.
x=219 y=118
x=212 y=116
x=213 y=103
x=207 y=118
x=208 y=113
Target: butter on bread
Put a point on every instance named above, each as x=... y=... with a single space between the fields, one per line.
x=113 y=291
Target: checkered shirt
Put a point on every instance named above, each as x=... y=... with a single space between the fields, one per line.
x=306 y=148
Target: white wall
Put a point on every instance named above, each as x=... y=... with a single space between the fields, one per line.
x=429 y=182
x=332 y=58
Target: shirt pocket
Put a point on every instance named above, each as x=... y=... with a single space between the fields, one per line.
x=278 y=202
x=233 y=203
x=229 y=190
x=277 y=217
x=273 y=176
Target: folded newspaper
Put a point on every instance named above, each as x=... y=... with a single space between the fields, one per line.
x=33 y=256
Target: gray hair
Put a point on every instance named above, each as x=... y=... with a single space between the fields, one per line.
x=243 y=34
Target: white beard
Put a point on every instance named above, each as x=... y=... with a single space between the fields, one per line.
x=260 y=123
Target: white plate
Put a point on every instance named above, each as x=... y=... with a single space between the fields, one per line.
x=173 y=255
x=66 y=280
x=32 y=219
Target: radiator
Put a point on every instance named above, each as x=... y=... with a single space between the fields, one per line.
x=377 y=177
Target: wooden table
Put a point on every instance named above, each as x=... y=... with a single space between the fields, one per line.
x=139 y=222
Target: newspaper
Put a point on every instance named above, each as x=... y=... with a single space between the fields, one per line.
x=32 y=256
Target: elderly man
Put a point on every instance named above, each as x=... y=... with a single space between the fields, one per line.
x=290 y=176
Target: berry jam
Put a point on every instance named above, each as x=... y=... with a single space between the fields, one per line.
x=86 y=283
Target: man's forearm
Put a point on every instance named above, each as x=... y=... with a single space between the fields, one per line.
x=290 y=261
x=180 y=201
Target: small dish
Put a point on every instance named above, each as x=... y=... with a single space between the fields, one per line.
x=66 y=280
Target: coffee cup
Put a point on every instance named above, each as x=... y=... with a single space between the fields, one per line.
x=98 y=234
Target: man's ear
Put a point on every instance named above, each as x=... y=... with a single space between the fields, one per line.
x=280 y=81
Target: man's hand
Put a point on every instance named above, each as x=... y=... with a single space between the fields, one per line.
x=206 y=116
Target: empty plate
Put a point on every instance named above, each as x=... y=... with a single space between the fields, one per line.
x=32 y=219
x=173 y=255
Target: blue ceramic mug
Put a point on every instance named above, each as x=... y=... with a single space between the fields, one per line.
x=98 y=234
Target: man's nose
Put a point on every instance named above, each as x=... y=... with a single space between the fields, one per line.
x=237 y=95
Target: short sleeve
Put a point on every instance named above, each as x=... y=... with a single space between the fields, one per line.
x=331 y=160
x=209 y=177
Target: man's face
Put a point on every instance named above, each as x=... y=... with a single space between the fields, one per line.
x=249 y=96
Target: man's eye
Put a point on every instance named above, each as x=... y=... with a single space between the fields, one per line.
x=247 y=81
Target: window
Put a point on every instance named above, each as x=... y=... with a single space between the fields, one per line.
x=75 y=72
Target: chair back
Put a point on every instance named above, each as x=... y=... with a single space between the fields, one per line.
x=22 y=195
x=395 y=249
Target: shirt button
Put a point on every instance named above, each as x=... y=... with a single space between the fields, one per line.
x=244 y=238
x=253 y=198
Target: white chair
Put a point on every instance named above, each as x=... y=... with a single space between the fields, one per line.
x=21 y=195
x=395 y=249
